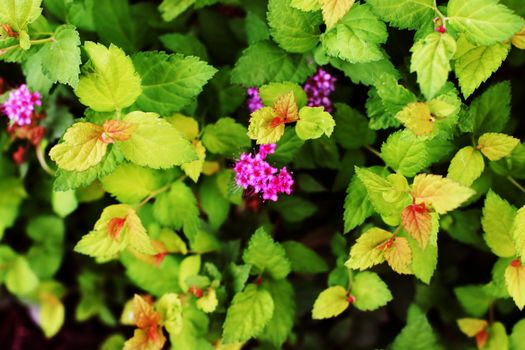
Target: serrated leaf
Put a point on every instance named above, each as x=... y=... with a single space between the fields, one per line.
x=368 y=249
x=357 y=207
x=356 y=37
x=280 y=325
x=441 y=193
x=497 y=220
x=490 y=23
x=466 y=166
x=369 y=291
x=208 y=302
x=515 y=282
x=424 y=261
x=112 y=82
x=248 y=314
x=61 y=57
x=399 y=256
x=194 y=169
x=431 y=60
x=225 y=137
x=19 y=14
x=155 y=142
x=262 y=127
x=169 y=82
x=299 y=32
x=352 y=130
x=518 y=231
x=405 y=153
x=410 y=14
x=471 y=326
x=417 y=118
x=170 y=9
x=417 y=221
x=490 y=112
x=270 y=93
x=81 y=148
x=266 y=255
x=313 y=123
x=334 y=10
x=285 y=107
x=475 y=64
x=169 y=306
x=495 y=146
x=417 y=333
x=330 y=303
x=304 y=259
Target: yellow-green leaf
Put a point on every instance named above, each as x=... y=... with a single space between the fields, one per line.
x=52 y=314
x=496 y=146
x=190 y=266
x=169 y=307
x=515 y=282
x=498 y=217
x=518 y=39
x=330 y=303
x=334 y=10
x=306 y=5
x=208 y=302
x=399 y=256
x=261 y=127
x=187 y=126
x=471 y=326
x=313 y=123
x=19 y=13
x=194 y=169
x=417 y=118
x=466 y=166
x=518 y=232
x=368 y=250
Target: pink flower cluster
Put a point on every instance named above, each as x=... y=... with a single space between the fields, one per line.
x=254 y=172
x=20 y=105
x=254 y=101
x=318 y=89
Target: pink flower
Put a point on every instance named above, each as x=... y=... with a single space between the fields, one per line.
x=20 y=105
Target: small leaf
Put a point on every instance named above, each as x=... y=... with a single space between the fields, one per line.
x=170 y=308
x=417 y=118
x=20 y=279
x=208 y=302
x=369 y=291
x=334 y=10
x=368 y=249
x=330 y=303
x=189 y=266
x=313 y=123
x=304 y=259
x=466 y=166
x=404 y=14
x=285 y=107
x=399 y=256
x=496 y=146
x=515 y=282
x=52 y=315
x=194 y=169
x=270 y=93
x=471 y=326
x=226 y=137
x=518 y=39
x=417 y=221
x=498 y=217
x=262 y=127
x=417 y=333
x=405 y=153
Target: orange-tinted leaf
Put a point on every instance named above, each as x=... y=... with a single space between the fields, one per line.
x=117 y=130
x=481 y=339
x=116 y=225
x=399 y=255
x=285 y=108
x=142 y=341
x=417 y=221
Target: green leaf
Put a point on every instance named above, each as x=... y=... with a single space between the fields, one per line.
x=357 y=36
x=256 y=28
x=214 y=203
x=497 y=221
x=474 y=299
x=248 y=314
x=261 y=126
x=61 y=57
x=226 y=137
x=466 y=166
x=306 y=5
x=270 y=93
x=334 y=10
x=498 y=338
x=64 y=203
x=409 y=14
x=130 y=183
x=313 y=123
x=20 y=279
x=330 y=303
x=185 y=44
x=294 y=209
x=170 y=9
x=424 y=261
x=369 y=291
x=189 y=266
x=155 y=142
x=367 y=73
x=495 y=146
x=475 y=64
x=52 y=315
x=417 y=118
x=263 y=62
x=431 y=60
x=357 y=206
x=417 y=334
x=405 y=153
x=12 y=193
x=352 y=129
x=112 y=83
x=169 y=82
x=280 y=325
x=194 y=169
x=367 y=251
x=19 y=14
x=304 y=259
x=517 y=337
x=266 y=256
x=292 y=29
x=490 y=23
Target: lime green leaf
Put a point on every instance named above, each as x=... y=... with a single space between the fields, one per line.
x=177 y=208
x=357 y=205
x=471 y=326
x=417 y=334
x=270 y=93
x=294 y=30
x=64 y=203
x=187 y=126
x=281 y=323
x=20 y=279
x=474 y=299
x=306 y=5
x=356 y=37
x=368 y=249
x=169 y=306
x=497 y=220
x=517 y=337
x=304 y=259
x=248 y=314
x=266 y=255
x=263 y=62
x=334 y=10
x=226 y=137
x=169 y=82
x=194 y=169
x=431 y=60
x=189 y=266
x=466 y=166
x=52 y=315
x=185 y=44
x=405 y=153
x=130 y=183
x=498 y=338
x=208 y=302
x=81 y=148
x=475 y=64
x=19 y=14
x=61 y=57
x=495 y=146
x=518 y=232
x=155 y=142
x=213 y=202
x=441 y=193
x=313 y=123
x=261 y=126
x=170 y=9
x=515 y=282
x=331 y=302
x=417 y=117
x=369 y=291
x=112 y=82
x=490 y=23
x=409 y=14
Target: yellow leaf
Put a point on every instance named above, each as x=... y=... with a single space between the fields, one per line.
x=441 y=108
x=208 y=302
x=82 y=147
x=417 y=118
x=334 y=10
x=261 y=126
x=330 y=303
x=368 y=250
x=515 y=282
x=466 y=166
x=496 y=146
x=187 y=126
x=285 y=108
x=441 y=193
x=518 y=39
x=194 y=169
x=399 y=256
x=417 y=221
x=471 y=326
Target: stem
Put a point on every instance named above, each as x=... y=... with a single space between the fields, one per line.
x=33 y=42
x=152 y=195
x=42 y=159
x=374 y=151
x=440 y=14
x=516 y=183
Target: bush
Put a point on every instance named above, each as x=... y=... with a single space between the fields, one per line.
x=262 y=174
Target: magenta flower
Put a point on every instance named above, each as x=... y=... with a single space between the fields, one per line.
x=20 y=105
x=255 y=173
x=318 y=89
x=254 y=101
